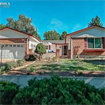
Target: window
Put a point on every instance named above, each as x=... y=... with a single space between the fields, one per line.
x=10 y=45
x=6 y=45
x=22 y=46
x=97 y=43
x=18 y=45
x=94 y=42
x=14 y=45
x=46 y=47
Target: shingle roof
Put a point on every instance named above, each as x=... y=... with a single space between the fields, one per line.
x=54 y=41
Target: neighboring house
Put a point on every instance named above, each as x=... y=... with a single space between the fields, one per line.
x=57 y=45
x=87 y=43
x=15 y=44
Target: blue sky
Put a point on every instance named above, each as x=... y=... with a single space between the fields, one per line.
x=61 y=15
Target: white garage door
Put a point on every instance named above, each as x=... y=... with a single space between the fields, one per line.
x=13 y=51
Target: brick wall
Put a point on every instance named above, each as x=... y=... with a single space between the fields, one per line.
x=15 y=40
x=78 y=46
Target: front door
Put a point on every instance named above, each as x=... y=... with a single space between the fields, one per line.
x=65 y=50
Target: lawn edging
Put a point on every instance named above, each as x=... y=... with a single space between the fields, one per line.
x=17 y=68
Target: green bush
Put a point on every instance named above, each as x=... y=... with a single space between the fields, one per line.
x=10 y=65
x=31 y=57
x=59 y=91
x=20 y=62
x=7 y=92
x=54 y=58
x=2 y=67
x=56 y=91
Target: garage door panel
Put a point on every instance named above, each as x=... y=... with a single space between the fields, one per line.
x=14 y=52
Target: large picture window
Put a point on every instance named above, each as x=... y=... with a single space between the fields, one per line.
x=94 y=42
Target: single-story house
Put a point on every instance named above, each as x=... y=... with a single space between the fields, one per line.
x=15 y=44
x=87 y=43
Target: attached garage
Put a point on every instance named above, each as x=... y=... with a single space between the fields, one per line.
x=12 y=51
x=15 y=44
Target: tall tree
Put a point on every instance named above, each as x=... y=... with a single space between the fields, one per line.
x=51 y=35
x=2 y=26
x=95 y=21
x=64 y=33
x=23 y=24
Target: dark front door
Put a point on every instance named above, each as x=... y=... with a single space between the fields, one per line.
x=65 y=50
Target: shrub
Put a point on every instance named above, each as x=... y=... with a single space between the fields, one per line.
x=10 y=65
x=50 y=91
x=59 y=91
x=7 y=92
x=31 y=57
x=40 y=49
x=54 y=58
x=32 y=70
x=20 y=62
x=2 y=67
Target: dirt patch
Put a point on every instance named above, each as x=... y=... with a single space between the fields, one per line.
x=64 y=73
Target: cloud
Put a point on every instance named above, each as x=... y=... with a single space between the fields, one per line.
x=57 y=25
x=76 y=27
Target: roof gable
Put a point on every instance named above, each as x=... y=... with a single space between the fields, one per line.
x=16 y=32
x=85 y=31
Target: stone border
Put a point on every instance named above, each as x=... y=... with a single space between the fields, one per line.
x=17 y=68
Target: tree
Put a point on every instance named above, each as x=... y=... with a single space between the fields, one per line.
x=40 y=49
x=95 y=21
x=51 y=35
x=64 y=33
x=2 y=26
x=23 y=24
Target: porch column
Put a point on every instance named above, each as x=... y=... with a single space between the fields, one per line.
x=62 y=50
x=71 y=47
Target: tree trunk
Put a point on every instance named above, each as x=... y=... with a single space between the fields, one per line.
x=40 y=57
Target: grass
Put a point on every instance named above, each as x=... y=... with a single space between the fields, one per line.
x=68 y=65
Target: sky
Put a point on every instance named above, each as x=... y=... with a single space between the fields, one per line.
x=61 y=15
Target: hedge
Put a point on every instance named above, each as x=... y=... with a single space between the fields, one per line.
x=57 y=91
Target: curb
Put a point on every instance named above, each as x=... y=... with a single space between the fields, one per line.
x=23 y=66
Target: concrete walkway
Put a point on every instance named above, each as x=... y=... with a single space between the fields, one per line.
x=98 y=82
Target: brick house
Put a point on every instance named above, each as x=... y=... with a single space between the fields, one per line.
x=15 y=44
x=88 y=42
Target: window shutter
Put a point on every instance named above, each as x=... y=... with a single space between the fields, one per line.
x=103 y=42
x=85 y=43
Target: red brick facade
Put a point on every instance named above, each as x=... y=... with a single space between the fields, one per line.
x=79 y=46
x=69 y=53
x=15 y=40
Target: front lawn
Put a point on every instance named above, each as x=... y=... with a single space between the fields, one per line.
x=69 y=65
x=64 y=67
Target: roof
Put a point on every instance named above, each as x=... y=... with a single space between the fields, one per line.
x=21 y=32
x=54 y=41
x=83 y=30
